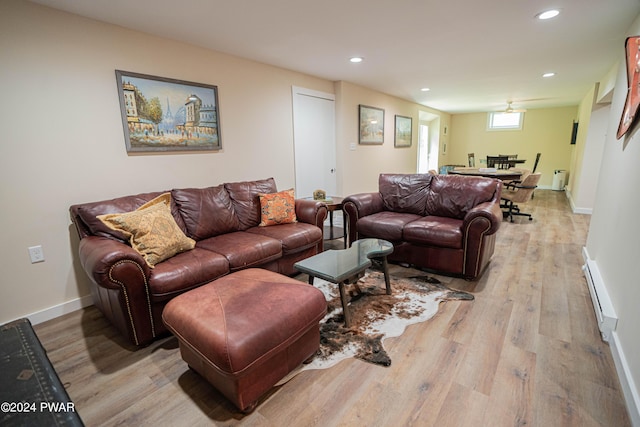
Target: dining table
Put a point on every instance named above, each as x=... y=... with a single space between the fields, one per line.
x=503 y=174
x=513 y=162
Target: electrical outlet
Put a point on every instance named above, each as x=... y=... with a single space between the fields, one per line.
x=36 y=253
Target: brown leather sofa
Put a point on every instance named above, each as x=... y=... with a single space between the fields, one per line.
x=223 y=221
x=444 y=223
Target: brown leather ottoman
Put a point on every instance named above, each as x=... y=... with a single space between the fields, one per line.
x=246 y=331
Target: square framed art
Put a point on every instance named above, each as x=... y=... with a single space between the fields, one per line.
x=371 y=125
x=403 y=132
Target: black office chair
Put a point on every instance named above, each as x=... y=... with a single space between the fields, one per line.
x=518 y=193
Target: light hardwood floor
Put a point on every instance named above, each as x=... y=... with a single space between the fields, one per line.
x=526 y=352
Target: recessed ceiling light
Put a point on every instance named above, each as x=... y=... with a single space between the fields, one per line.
x=548 y=14
x=425 y=89
x=356 y=59
x=548 y=74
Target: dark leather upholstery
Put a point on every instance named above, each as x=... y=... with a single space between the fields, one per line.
x=445 y=223
x=246 y=331
x=224 y=222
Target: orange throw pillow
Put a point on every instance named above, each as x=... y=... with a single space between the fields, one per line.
x=277 y=208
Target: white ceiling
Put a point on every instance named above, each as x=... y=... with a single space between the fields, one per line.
x=474 y=55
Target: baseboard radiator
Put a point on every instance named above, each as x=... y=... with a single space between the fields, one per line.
x=605 y=314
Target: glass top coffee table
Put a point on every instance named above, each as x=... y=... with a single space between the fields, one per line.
x=341 y=266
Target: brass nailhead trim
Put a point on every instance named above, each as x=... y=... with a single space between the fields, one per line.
x=466 y=241
x=126 y=297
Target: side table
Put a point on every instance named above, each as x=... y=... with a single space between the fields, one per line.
x=334 y=203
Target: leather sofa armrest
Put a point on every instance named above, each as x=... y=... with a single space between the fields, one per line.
x=479 y=228
x=124 y=276
x=358 y=206
x=489 y=210
x=311 y=211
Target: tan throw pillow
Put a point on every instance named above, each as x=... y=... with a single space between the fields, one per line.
x=277 y=208
x=151 y=229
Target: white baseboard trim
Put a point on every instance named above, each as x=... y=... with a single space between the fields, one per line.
x=574 y=208
x=629 y=389
x=582 y=211
x=60 y=309
x=602 y=306
x=604 y=313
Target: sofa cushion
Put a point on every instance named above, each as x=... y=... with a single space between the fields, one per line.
x=435 y=231
x=206 y=212
x=151 y=229
x=404 y=192
x=385 y=225
x=453 y=196
x=243 y=249
x=294 y=237
x=246 y=203
x=277 y=208
x=186 y=271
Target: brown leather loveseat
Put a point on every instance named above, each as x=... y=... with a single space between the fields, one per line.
x=444 y=223
x=224 y=225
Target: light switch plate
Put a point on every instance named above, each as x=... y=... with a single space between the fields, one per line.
x=36 y=254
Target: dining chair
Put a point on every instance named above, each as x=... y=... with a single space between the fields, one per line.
x=535 y=164
x=524 y=173
x=498 y=162
x=519 y=193
x=472 y=160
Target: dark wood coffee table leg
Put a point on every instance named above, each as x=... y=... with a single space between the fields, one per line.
x=387 y=281
x=345 y=308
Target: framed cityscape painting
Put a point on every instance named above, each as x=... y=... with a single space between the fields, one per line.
x=162 y=114
x=371 y=125
x=403 y=132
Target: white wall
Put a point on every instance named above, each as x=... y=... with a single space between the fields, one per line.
x=62 y=138
x=360 y=165
x=614 y=235
x=587 y=167
x=545 y=130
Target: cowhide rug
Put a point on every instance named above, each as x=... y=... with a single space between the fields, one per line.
x=375 y=316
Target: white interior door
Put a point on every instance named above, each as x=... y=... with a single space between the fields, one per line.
x=423 y=148
x=314 y=142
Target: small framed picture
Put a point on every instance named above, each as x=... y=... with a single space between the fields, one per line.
x=371 y=125
x=403 y=131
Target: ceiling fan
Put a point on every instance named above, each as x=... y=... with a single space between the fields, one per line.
x=510 y=108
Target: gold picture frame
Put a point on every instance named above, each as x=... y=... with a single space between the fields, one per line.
x=162 y=114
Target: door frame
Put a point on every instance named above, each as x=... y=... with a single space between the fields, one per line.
x=301 y=91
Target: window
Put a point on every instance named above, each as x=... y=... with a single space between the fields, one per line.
x=505 y=121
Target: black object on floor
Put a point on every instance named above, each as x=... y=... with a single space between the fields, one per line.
x=31 y=393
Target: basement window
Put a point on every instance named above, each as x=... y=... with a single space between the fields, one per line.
x=505 y=121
